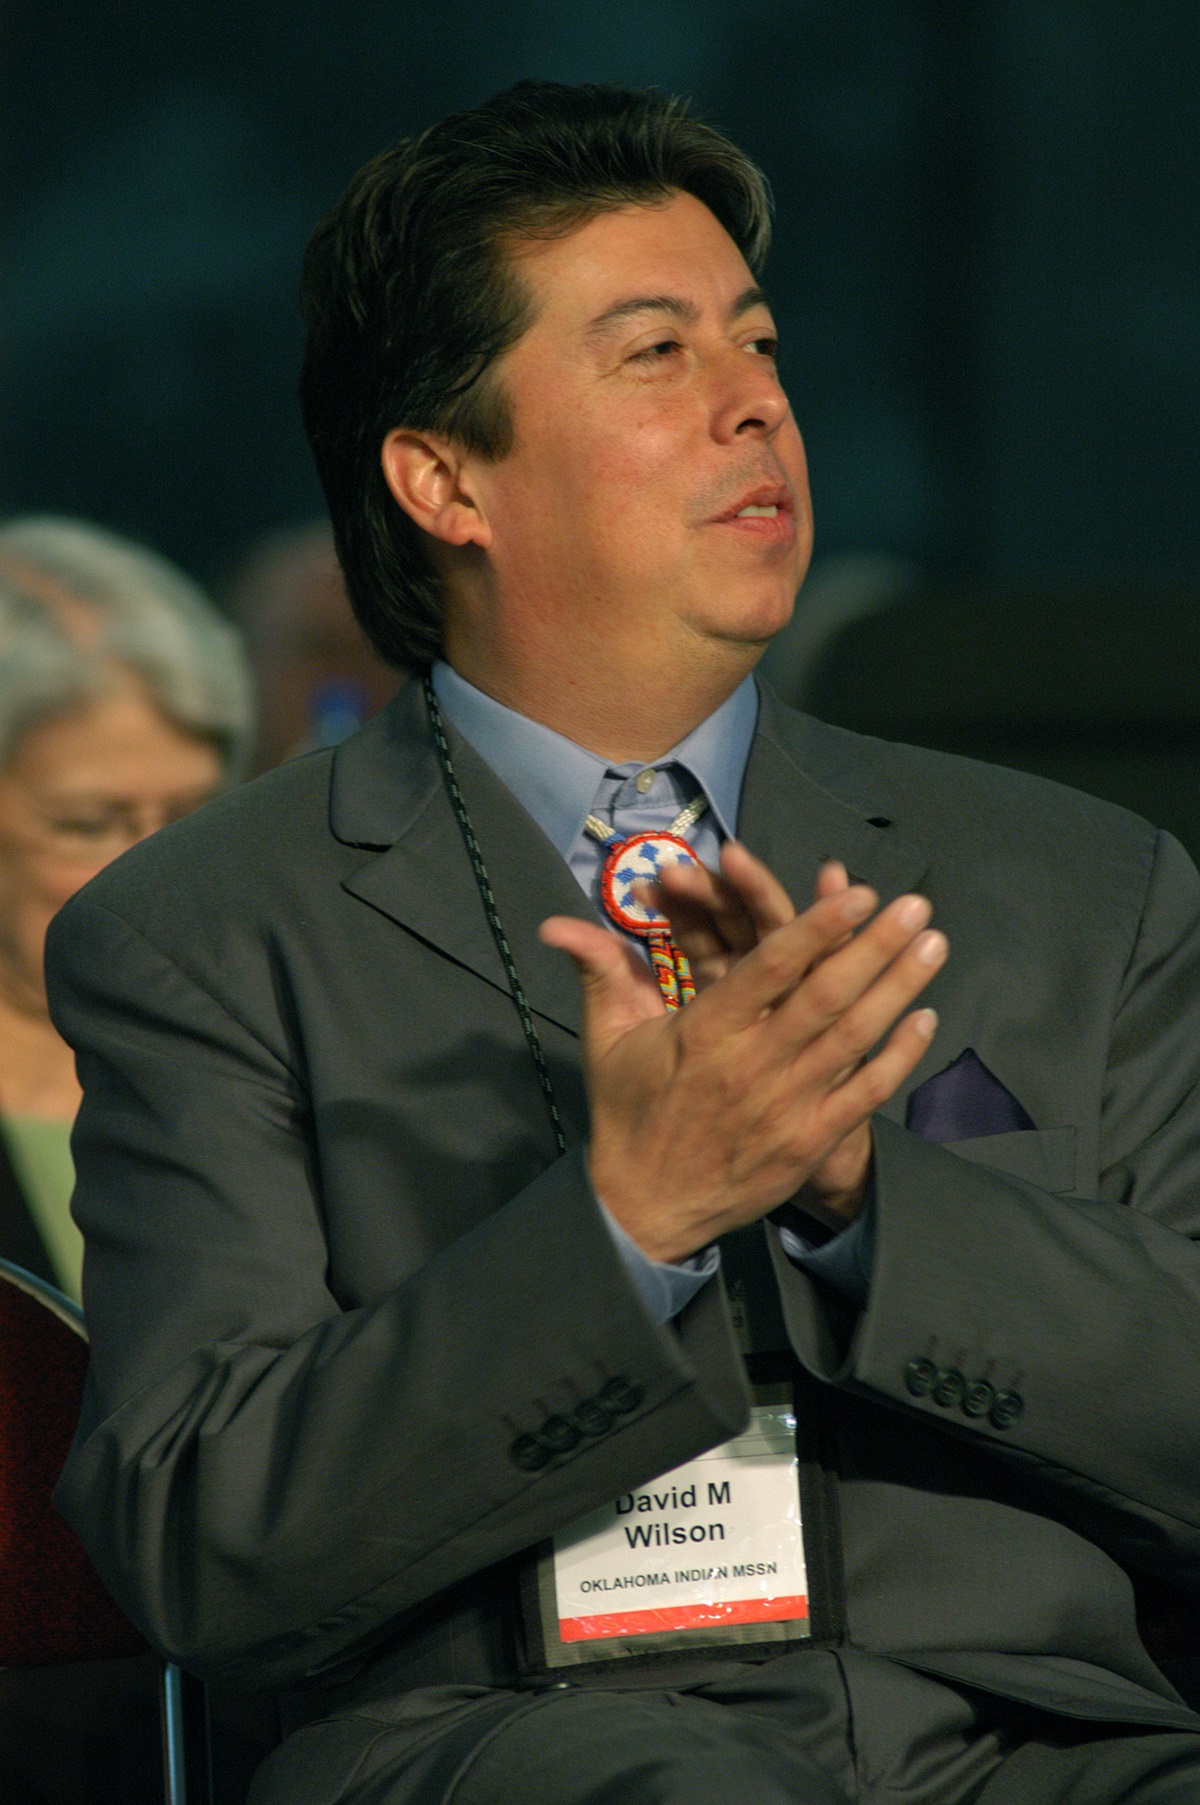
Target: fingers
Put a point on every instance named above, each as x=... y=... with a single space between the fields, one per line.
x=763 y=897
x=774 y=968
x=855 y=996
x=717 y=917
x=619 y=991
x=834 y=1190
x=831 y=878
x=708 y=921
x=869 y=1086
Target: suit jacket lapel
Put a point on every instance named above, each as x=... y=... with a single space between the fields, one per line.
x=389 y=793
x=811 y=794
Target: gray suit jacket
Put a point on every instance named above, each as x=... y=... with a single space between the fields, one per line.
x=335 y=1269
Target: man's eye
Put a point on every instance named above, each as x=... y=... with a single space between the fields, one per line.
x=81 y=828
x=657 y=353
x=764 y=347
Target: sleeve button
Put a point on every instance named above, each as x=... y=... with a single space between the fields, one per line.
x=950 y=1387
x=919 y=1377
x=591 y=1418
x=528 y=1453
x=1008 y=1407
x=621 y=1396
x=559 y=1435
x=978 y=1398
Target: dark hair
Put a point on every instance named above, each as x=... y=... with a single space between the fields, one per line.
x=410 y=297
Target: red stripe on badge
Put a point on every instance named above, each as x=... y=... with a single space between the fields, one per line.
x=682 y=1617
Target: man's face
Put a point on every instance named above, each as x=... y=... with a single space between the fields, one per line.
x=649 y=418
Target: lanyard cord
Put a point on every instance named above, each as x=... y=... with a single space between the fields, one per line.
x=487 y=895
x=687 y=817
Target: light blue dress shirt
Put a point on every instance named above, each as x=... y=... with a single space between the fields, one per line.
x=560 y=784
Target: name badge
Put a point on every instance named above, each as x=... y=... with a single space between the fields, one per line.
x=710 y=1552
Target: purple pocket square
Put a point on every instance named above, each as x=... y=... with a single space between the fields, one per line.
x=963 y=1102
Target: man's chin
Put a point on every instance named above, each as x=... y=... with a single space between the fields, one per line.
x=754 y=623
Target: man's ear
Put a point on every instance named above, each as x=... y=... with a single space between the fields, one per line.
x=429 y=478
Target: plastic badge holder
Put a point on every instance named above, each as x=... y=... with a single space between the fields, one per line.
x=708 y=1557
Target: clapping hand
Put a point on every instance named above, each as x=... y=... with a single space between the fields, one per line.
x=764 y=1086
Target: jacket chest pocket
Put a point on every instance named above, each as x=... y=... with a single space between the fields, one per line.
x=1041 y=1156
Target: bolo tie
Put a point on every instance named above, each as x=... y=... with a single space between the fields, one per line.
x=630 y=861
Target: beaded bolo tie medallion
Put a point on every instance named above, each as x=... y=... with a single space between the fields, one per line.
x=636 y=860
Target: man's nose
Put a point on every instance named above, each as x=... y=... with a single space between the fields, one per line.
x=747 y=399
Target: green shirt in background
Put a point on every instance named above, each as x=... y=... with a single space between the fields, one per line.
x=40 y=1151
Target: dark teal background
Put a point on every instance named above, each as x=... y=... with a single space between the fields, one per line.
x=986 y=263
x=986 y=273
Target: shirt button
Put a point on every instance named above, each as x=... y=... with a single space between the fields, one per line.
x=644 y=781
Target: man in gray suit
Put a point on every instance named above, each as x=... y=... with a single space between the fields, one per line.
x=402 y=1295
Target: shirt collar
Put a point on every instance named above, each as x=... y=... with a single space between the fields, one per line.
x=556 y=781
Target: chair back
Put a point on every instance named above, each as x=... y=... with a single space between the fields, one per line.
x=1097 y=688
x=53 y=1607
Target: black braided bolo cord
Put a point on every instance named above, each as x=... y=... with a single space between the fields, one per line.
x=487 y=895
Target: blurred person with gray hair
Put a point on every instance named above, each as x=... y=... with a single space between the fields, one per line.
x=124 y=704
x=316 y=676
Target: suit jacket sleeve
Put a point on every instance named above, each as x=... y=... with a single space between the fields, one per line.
x=1087 y=1310
x=268 y=1480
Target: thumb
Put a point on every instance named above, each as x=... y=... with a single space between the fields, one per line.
x=619 y=992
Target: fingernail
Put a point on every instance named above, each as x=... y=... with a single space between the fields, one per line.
x=931 y=948
x=925 y=1022
x=857 y=905
x=911 y=911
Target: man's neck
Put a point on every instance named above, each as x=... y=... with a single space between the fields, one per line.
x=623 y=716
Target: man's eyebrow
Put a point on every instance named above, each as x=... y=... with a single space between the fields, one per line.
x=747 y=301
x=674 y=305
